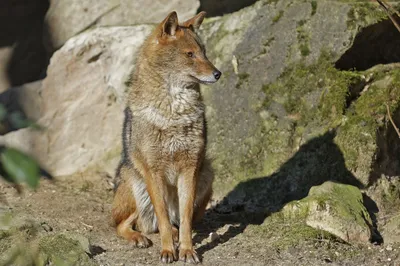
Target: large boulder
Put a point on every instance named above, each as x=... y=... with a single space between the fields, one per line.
x=336 y=208
x=66 y=19
x=82 y=102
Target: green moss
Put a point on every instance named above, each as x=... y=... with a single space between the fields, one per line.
x=304 y=49
x=345 y=200
x=301 y=23
x=314 y=6
x=314 y=99
x=62 y=249
x=351 y=19
x=17 y=241
x=358 y=133
x=364 y=13
x=341 y=206
x=303 y=38
x=242 y=78
x=286 y=233
x=277 y=17
x=295 y=84
x=4 y=234
x=269 y=41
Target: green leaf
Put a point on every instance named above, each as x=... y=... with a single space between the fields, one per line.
x=20 y=167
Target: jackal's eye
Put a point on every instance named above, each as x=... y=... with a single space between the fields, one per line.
x=190 y=54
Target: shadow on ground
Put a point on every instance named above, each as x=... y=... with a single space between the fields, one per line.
x=250 y=202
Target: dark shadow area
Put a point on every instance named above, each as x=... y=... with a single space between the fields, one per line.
x=250 y=202
x=10 y=101
x=373 y=209
x=21 y=26
x=388 y=157
x=95 y=250
x=221 y=7
x=375 y=44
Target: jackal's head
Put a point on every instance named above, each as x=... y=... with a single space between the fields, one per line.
x=178 y=52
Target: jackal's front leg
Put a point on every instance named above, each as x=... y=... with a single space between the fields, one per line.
x=187 y=194
x=157 y=191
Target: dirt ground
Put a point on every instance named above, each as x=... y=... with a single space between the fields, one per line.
x=83 y=206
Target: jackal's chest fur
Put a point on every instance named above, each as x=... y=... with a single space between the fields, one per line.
x=174 y=119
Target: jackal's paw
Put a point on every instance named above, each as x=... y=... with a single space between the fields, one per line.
x=167 y=256
x=188 y=255
x=140 y=240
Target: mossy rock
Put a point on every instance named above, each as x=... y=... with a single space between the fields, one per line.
x=279 y=91
x=366 y=119
x=283 y=233
x=17 y=240
x=63 y=250
x=386 y=195
x=25 y=242
x=335 y=208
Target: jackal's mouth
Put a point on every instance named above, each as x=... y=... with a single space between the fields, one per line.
x=204 y=81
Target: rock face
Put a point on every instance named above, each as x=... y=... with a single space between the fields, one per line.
x=83 y=15
x=281 y=90
x=335 y=208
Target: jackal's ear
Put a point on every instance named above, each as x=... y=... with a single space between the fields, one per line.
x=195 y=21
x=170 y=24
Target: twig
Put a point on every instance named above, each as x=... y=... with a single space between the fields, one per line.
x=87 y=225
x=391 y=120
x=383 y=4
x=392 y=8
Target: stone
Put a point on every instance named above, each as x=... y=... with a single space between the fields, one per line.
x=335 y=208
x=84 y=15
x=46 y=227
x=213 y=237
x=61 y=248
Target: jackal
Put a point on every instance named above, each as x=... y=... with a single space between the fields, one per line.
x=164 y=179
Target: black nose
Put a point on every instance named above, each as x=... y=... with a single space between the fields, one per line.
x=217 y=74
